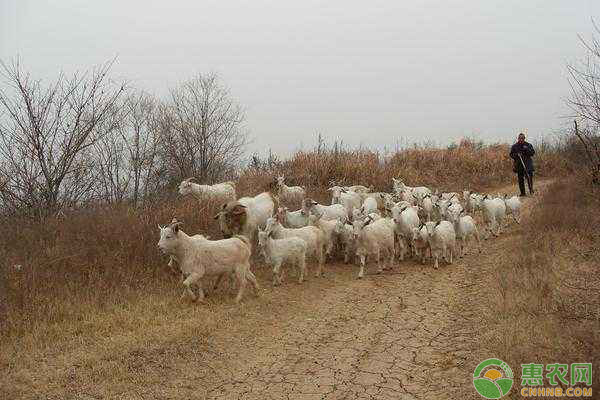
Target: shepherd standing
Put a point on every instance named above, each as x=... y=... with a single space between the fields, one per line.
x=521 y=153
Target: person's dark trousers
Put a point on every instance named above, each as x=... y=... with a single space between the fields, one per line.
x=522 y=178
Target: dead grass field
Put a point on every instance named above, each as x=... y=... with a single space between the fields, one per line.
x=93 y=312
x=545 y=291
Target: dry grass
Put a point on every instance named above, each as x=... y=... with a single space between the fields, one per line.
x=545 y=302
x=97 y=277
x=100 y=257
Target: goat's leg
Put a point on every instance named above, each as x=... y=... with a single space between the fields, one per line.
x=361 y=272
x=378 y=258
x=188 y=282
x=241 y=274
x=301 y=268
x=252 y=279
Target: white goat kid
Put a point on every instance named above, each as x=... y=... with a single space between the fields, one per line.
x=313 y=236
x=442 y=241
x=221 y=192
x=344 y=233
x=420 y=240
x=280 y=251
x=199 y=257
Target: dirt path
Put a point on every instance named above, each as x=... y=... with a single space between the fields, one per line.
x=407 y=334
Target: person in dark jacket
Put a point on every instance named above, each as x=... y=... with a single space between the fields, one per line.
x=521 y=153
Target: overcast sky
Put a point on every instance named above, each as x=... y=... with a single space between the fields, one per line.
x=373 y=73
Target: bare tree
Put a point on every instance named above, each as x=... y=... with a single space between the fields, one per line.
x=584 y=79
x=202 y=129
x=127 y=157
x=143 y=142
x=46 y=134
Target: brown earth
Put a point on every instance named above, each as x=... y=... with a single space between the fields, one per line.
x=409 y=333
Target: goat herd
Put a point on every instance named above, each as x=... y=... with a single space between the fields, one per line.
x=360 y=222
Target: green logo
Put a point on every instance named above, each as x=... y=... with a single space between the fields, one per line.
x=495 y=382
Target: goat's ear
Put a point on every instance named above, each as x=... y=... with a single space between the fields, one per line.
x=159 y=227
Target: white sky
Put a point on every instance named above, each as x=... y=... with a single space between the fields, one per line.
x=372 y=73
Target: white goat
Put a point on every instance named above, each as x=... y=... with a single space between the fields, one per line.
x=334 y=211
x=420 y=240
x=474 y=202
x=373 y=237
x=199 y=257
x=327 y=227
x=417 y=191
x=405 y=220
x=349 y=200
x=465 y=228
x=427 y=206
x=442 y=240
x=368 y=206
x=379 y=197
x=313 y=236
x=513 y=207
x=279 y=251
x=292 y=219
x=494 y=212
x=221 y=192
x=290 y=193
